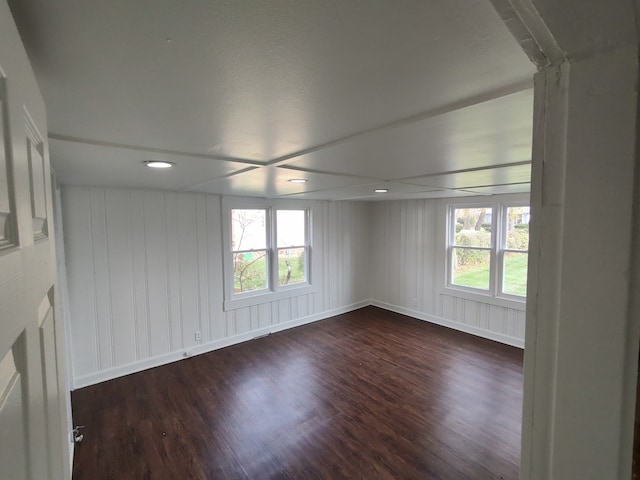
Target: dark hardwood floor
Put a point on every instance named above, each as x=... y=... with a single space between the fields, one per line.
x=366 y=395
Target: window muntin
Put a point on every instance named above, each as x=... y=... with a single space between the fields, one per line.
x=488 y=248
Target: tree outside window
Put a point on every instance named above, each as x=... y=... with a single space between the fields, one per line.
x=256 y=240
x=249 y=250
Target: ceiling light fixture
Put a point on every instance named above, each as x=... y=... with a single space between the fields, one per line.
x=381 y=190
x=158 y=164
x=298 y=180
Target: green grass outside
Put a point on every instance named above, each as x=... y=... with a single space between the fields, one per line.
x=515 y=275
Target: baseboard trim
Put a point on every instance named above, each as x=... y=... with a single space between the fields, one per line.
x=462 y=327
x=164 y=359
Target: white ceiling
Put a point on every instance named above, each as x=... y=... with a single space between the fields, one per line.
x=430 y=99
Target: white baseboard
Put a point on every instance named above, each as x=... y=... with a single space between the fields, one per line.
x=462 y=327
x=159 y=360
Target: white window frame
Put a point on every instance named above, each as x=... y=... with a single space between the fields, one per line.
x=497 y=250
x=273 y=292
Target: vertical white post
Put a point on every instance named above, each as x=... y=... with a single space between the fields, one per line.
x=583 y=321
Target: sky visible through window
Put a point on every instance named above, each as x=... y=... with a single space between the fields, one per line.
x=290 y=228
x=248 y=229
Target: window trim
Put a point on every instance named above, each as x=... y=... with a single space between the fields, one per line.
x=494 y=294
x=273 y=292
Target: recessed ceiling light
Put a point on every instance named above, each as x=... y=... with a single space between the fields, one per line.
x=158 y=164
x=381 y=190
x=298 y=180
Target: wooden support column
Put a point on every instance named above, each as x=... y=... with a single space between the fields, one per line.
x=583 y=324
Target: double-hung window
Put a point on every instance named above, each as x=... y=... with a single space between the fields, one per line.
x=269 y=250
x=487 y=248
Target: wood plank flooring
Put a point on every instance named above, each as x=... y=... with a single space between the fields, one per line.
x=366 y=395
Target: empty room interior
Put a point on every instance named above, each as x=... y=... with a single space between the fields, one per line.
x=319 y=239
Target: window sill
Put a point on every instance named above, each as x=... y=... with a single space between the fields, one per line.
x=241 y=301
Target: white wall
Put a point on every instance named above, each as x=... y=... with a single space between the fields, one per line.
x=408 y=275
x=145 y=273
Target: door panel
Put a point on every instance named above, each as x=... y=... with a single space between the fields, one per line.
x=12 y=420
x=35 y=156
x=12 y=292
x=50 y=380
x=7 y=213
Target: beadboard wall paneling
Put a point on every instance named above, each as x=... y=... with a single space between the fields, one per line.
x=145 y=273
x=408 y=275
x=404 y=247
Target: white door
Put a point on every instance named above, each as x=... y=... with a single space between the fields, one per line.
x=34 y=441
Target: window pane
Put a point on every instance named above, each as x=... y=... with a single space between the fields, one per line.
x=471 y=268
x=290 y=228
x=518 y=228
x=515 y=273
x=473 y=227
x=248 y=229
x=249 y=271
x=291 y=266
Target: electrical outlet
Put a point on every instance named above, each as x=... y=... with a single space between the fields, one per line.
x=198 y=336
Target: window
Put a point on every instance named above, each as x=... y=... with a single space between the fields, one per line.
x=487 y=248
x=249 y=250
x=269 y=251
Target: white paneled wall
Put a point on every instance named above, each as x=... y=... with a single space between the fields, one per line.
x=403 y=245
x=145 y=274
x=408 y=275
